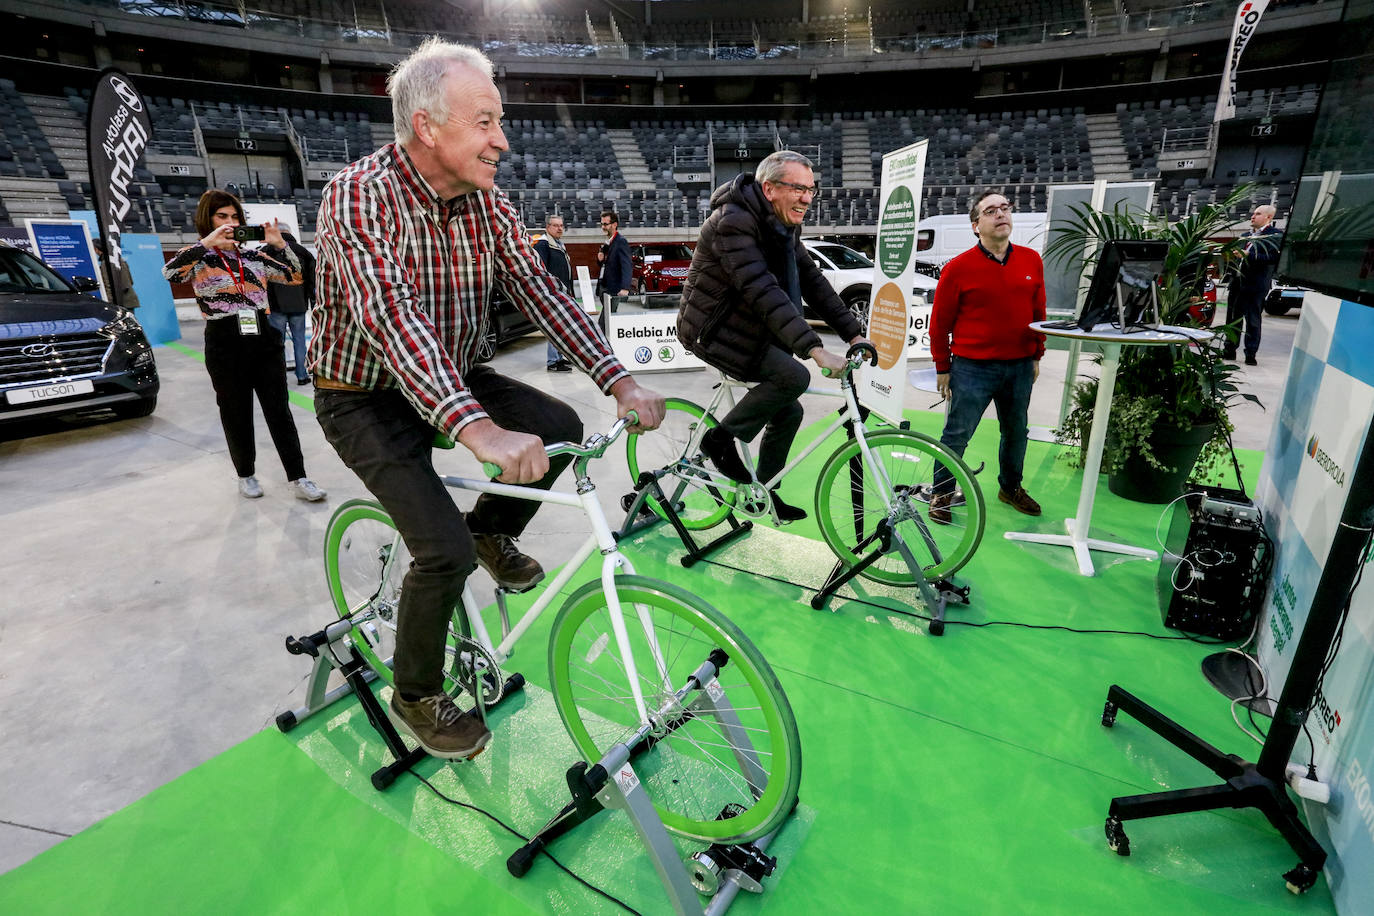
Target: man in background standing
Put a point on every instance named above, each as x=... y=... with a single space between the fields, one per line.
x=616 y=270
x=983 y=350
x=555 y=257
x=1251 y=281
x=288 y=304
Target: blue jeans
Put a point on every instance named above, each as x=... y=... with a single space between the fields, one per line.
x=297 y=325
x=973 y=384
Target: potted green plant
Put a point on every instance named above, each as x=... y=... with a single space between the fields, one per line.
x=1169 y=417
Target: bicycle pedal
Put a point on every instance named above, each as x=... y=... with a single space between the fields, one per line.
x=512 y=590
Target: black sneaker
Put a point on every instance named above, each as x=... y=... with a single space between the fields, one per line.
x=1250 y=360
x=510 y=568
x=785 y=512
x=561 y=366
x=440 y=727
x=719 y=446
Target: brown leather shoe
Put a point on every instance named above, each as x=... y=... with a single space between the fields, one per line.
x=510 y=568
x=440 y=727
x=939 y=508
x=1020 y=501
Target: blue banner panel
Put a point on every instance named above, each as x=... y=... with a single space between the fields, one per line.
x=65 y=246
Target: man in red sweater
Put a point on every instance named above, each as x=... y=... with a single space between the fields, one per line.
x=986 y=298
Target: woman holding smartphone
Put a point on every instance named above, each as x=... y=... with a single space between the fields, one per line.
x=243 y=353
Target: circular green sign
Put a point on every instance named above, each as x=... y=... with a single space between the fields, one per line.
x=896 y=232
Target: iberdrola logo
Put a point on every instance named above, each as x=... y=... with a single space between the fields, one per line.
x=1324 y=461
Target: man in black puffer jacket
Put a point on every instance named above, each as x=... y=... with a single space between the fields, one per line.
x=742 y=311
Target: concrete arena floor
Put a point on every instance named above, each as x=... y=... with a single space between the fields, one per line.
x=141 y=589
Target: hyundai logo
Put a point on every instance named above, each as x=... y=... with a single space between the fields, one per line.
x=38 y=351
x=126 y=93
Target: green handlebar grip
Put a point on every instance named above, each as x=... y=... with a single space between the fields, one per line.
x=632 y=416
x=442 y=440
x=492 y=469
x=826 y=372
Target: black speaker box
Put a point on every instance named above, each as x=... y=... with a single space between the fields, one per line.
x=1210 y=581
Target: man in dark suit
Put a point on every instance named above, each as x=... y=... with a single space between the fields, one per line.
x=616 y=271
x=1253 y=277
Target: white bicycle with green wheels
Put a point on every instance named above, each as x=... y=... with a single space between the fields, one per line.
x=625 y=663
x=872 y=496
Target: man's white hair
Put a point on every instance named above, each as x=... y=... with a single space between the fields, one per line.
x=774 y=165
x=417 y=83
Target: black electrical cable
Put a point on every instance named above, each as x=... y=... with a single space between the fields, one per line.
x=969 y=623
x=524 y=839
x=1335 y=647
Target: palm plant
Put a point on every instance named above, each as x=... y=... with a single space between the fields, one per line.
x=1179 y=385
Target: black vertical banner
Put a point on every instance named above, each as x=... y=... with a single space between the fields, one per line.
x=117 y=132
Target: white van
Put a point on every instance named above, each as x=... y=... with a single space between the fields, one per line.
x=939 y=238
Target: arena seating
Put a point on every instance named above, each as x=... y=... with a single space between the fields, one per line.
x=652 y=169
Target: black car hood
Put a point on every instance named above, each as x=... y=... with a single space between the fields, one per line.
x=29 y=315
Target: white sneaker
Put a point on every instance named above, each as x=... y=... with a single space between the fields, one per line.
x=306 y=490
x=249 y=488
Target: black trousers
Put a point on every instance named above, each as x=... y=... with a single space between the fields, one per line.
x=240 y=366
x=386 y=442
x=771 y=405
x=1248 y=303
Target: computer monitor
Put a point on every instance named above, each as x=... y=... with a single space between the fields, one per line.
x=1124 y=284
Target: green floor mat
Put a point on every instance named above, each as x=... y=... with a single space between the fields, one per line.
x=966 y=773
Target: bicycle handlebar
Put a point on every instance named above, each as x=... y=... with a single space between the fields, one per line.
x=594 y=447
x=856 y=356
x=860 y=348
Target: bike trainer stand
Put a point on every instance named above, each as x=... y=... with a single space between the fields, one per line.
x=638 y=517
x=339 y=654
x=935 y=594
x=722 y=870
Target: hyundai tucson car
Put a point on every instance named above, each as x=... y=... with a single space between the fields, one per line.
x=63 y=351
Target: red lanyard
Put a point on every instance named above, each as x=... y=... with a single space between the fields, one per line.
x=236 y=272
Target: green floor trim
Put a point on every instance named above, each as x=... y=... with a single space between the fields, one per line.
x=305 y=402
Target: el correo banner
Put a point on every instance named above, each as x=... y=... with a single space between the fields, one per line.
x=1247 y=20
x=117 y=133
x=882 y=388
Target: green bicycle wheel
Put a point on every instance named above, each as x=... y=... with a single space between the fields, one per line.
x=850 y=502
x=365 y=561
x=701 y=502
x=693 y=771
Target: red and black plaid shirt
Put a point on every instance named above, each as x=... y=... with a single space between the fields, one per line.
x=405 y=281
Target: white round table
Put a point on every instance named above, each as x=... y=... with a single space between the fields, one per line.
x=1112 y=340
